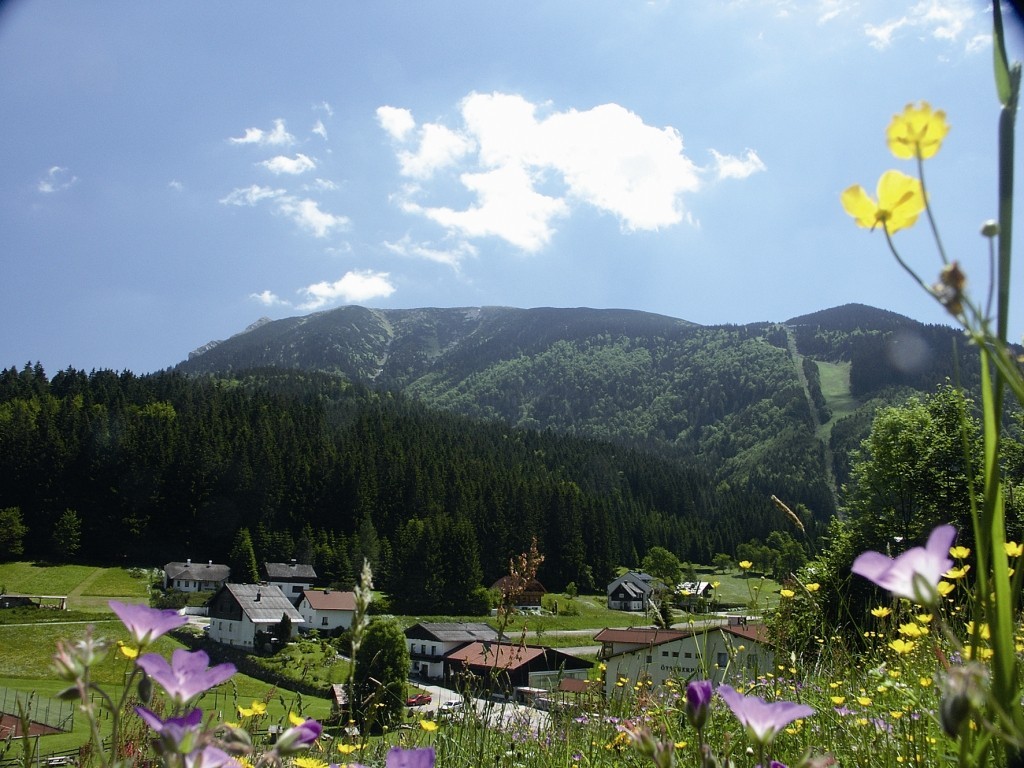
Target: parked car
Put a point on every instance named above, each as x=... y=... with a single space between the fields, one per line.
x=418 y=700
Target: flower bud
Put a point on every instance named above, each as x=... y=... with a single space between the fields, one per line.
x=145 y=689
x=962 y=691
x=990 y=228
x=698 y=701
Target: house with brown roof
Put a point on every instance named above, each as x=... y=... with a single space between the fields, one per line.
x=196 y=577
x=506 y=667
x=430 y=643
x=238 y=612
x=520 y=592
x=653 y=656
x=327 y=610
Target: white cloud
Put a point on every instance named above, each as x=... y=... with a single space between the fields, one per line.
x=732 y=167
x=941 y=19
x=304 y=212
x=251 y=195
x=57 y=179
x=323 y=185
x=509 y=207
x=275 y=137
x=290 y=165
x=397 y=122
x=307 y=214
x=451 y=257
x=320 y=129
x=355 y=286
x=267 y=298
x=439 y=148
x=605 y=157
x=176 y=185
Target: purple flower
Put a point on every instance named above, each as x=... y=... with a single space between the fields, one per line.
x=188 y=674
x=410 y=758
x=144 y=623
x=175 y=734
x=698 y=702
x=914 y=574
x=209 y=757
x=762 y=720
x=299 y=737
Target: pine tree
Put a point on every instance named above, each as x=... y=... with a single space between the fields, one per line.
x=242 y=559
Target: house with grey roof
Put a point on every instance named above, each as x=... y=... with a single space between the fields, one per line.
x=239 y=611
x=632 y=591
x=431 y=642
x=196 y=577
x=292 y=578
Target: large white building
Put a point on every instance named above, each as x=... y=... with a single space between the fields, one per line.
x=239 y=611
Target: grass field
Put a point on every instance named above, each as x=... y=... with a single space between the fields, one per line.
x=835 y=386
x=39 y=579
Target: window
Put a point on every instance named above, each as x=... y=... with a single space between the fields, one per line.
x=675 y=654
x=665 y=654
x=649 y=659
x=324 y=622
x=723 y=660
x=688 y=655
x=296 y=588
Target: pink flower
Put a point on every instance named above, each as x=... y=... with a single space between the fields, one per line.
x=916 y=573
x=144 y=623
x=188 y=674
x=761 y=719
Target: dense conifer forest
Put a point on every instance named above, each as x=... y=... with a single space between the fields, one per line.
x=164 y=467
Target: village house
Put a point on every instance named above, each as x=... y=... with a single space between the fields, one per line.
x=292 y=578
x=327 y=610
x=632 y=591
x=196 y=577
x=430 y=642
x=238 y=612
x=524 y=594
x=651 y=655
x=524 y=671
x=695 y=595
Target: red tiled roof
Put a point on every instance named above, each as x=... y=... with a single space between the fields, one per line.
x=756 y=632
x=573 y=685
x=640 y=635
x=319 y=600
x=499 y=655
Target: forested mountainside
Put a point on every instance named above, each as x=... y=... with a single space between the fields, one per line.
x=166 y=467
x=735 y=399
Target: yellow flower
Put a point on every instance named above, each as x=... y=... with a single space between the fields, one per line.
x=924 y=618
x=983 y=631
x=309 y=762
x=864 y=701
x=900 y=202
x=1013 y=549
x=258 y=708
x=960 y=553
x=746 y=565
x=944 y=588
x=127 y=651
x=917 y=132
x=716 y=584
x=926 y=682
x=902 y=646
x=812 y=587
x=295 y=719
x=348 y=749
x=912 y=630
x=956 y=573
x=881 y=612
x=428 y=725
x=839 y=700
x=787 y=593
x=680 y=745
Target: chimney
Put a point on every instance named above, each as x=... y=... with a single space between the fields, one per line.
x=188 y=562
x=293 y=563
x=209 y=563
x=257 y=596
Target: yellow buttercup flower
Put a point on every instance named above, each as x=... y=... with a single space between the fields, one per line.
x=812 y=587
x=295 y=719
x=924 y=618
x=912 y=630
x=1013 y=549
x=881 y=612
x=944 y=588
x=787 y=593
x=956 y=573
x=838 y=700
x=680 y=745
x=902 y=646
x=308 y=762
x=983 y=631
x=900 y=202
x=746 y=565
x=258 y=708
x=926 y=682
x=428 y=725
x=917 y=131
x=348 y=749
x=959 y=553
x=126 y=650
x=864 y=701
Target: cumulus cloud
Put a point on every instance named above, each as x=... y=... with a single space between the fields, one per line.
x=355 y=286
x=941 y=19
x=57 y=179
x=732 y=167
x=526 y=169
x=304 y=212
x=267 y=298
x=451 y=257
x=397 y=122
x=320 y=129
x=277 y=136
x=290 y=165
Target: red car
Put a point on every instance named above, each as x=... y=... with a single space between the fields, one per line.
x=418 y=700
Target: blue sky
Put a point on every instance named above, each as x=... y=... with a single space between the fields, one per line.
x=171 y=172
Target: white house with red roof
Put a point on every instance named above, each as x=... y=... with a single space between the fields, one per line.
x=649 y=655
x=327 y=610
